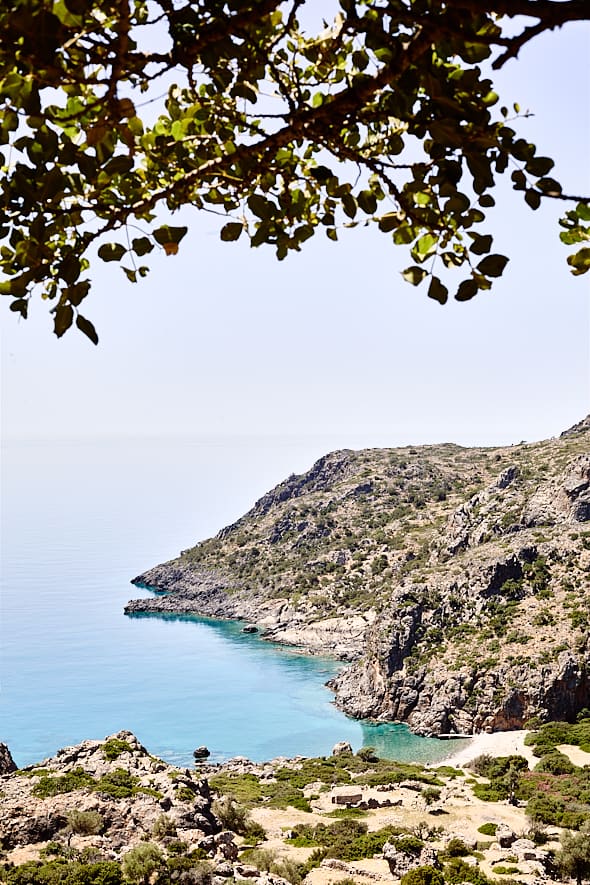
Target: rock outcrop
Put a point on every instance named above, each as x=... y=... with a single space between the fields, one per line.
x=116 y=778
x=7 y=763
x=455 y=580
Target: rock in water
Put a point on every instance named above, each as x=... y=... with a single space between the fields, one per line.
x=201 y=753
x=342 y=748
x=7 y=763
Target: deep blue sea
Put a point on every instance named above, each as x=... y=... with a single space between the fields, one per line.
x=79 y=520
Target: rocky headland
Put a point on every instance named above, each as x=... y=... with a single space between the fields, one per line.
x=456 y=581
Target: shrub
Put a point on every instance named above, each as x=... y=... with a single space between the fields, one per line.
x=409 y=844
x=456 y=870
x=488 y=829
x=113 y=748
x=85 y=823
x=367 y=754
x=118 y=783
x=457 y=848
x=481 y=764
x=555 y=763
x=545 y=809
x=423 y=876
x=163 y=826
x=64 y=783
x=61 y=872
x=430 y=795
x=141 y=862
x=232 y=816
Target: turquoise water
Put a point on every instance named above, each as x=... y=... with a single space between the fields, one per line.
x=80 y=520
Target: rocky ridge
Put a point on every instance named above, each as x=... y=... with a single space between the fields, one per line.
x=456 y=580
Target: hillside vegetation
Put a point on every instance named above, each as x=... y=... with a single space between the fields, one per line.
x=457 y=580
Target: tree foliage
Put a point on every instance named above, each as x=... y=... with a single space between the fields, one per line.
x=574 y=856
x=114 y=112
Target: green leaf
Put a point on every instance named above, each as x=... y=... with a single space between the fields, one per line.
x=367 y=201
x=166 y=234
x=404 y=234
x=260 y=206
x=142 y=245
x=549 y=186
x=580 y=262
x=486 y=201
x=539 y=166
x=87 y=328
x=481 y=243
x=69 y=269
x=425 y=246
x=349 y=205
x=493 y=265
x=21 y=305
x=467 y=289
x=64 y=316
x=231 y=231
x=321 y=173
x=519 y=179
x=111 y=251
x=414 y=275
x=583 y=211
x=474 y=52
x=437 y=291
x=389 y=222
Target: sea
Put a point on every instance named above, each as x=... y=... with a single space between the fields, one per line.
x=80 y=519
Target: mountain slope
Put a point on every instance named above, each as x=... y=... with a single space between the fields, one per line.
x=456 y=580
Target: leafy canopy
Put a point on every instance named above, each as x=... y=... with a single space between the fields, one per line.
x=114 y=111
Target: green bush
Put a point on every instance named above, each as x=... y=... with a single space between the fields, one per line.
x=118 y=783
x=232 y=816
x=367 y=754
x=457 y=848
x=62 y=872
x=141 y=862
x=64 y=783
x=488 y=829
x=408 y=843
x=163 y=827
x=423 y=876
x=555 y=763
x=456 y=871
x=113 y=748
x=85 y=823
x=545 y=809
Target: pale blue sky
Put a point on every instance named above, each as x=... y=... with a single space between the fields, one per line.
x=222 y=339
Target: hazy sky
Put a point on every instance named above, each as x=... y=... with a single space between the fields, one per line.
x=223 y=339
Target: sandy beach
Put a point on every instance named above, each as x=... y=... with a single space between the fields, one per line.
x=499 y=743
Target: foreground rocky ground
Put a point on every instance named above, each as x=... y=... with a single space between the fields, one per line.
x=107 y=812
x=456 y=580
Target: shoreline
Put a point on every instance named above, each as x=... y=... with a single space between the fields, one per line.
x=497 y=743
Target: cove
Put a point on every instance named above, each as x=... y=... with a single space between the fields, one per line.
x=80 y=518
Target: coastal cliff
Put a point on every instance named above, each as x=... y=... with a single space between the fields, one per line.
x=456 y=580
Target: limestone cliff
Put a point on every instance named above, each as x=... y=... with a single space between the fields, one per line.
x=456 y=580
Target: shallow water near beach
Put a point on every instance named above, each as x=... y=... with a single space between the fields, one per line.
x=80 y=519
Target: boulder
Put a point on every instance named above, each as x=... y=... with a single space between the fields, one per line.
x=505 y=836
x=400 y=862
x=201 y=752
x=342 y=748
